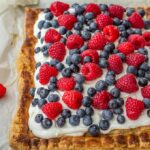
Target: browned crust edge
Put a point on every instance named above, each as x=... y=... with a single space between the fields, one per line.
x=20 y=138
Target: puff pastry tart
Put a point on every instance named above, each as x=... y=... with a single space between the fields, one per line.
x=84 y=79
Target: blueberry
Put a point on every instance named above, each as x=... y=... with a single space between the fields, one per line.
x=130 y=31
x=46 y=123
x=89 y=15
x=62 y=30
x=37 y=50
x=39 y=35
x=143 y=82
x=53 y=98
x=103 y=63
x=112 y=73
x=83 y=48
x=74 y=68
x=89 y=111
x=41 y=102
x=38 y=118
x=130 y=11
x=122 y=56
x=93 y=26
x=121 y=28
x=44 y=48
x=68 y=60
x=74 y=5
x=78 y=26
x=76 y=59
x=77 y=32
x=32 y=91
x=68 y=33
x=138 y=31
x=47 y=25
x=79 y=87
x=49 y=16
x=79 y=9
x=107 y=114
x=146 y=102
x=81 y=113
x=74 y=120
x=35 y=102
x=115 y=51
x=60 y=122
x=132 y=69
x=141 y=73
x=45 y=53
x=40 y=24
x=52 y=86
x=113 y=104
x=87 y=59
x=54 y=62
x=110 y=80
x=109 y=47
x=86 y=101
x=126 y=23
x=141 y=11
x=118 y=111
x=147 y=75
x=54 y=23
x=37 y=77
x=66 y=72
x=74 y=51
x=122 y=39
x=104 y=124
x=66 y=113
x=147 y=24
x=87 y=120
x=43 y=93
x=144 y=67
x=101 y=85
x=104 y=54
x=103 y=7
x=120 y=101
x=124 y=34
x=116 y=21
x=143 y=51
x=148 y=113
x=53 y=79
x=42 y=40
x=121 y=119
x=79 y=78
x=115 y=92
x=86 y=35
x=91 y=91
x=38 y=64
x=81 y=19
x=94 y=130
x=60 y=66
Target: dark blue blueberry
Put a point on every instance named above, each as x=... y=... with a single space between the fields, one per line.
x=66 y=113
x=38 y=118
x=79 y=78
x=79 y=9
x=124 y=34
x=110 y=80
x=103 y=7
x=44 y=48
x=126 y=23
x=118 y=111
x=49 y=16
x=46 y=10
x=121 y=119
x=115 y=92
x=53 y=79
x=86 y=101
x=104 y=54
x=68 y=33
x=74 y=68
x=39 y=35
x=89 y=111
x=83 y=48
x=87 y=120
x=63 y=40
x=122 y=56
x=93 y=26
x=60 y=122
x=35 y=102
x=74 y=120
x=53 y=98
x=68 y=60
x=87 y=59
x=113 y=104
x=107 y=114
x=79 y=87
x=116 y=21
x=81 y=19
x=130 y=31
x=109 y=47
x=74 y=51
x=66 y=72
x=138 y=31
x=52 y=86
x=141 y=11
x=121 y=28
x=54 y=23
x=142 y=82
x=148 y=113
x=89 y=15
x=46 y=123
x=132 y=69
x=144 y=67
x=130 y=11
x=76 y=59
x=101 y=85
x=37 y=50
x=32 y=91
x=37 y=77
x=94 y=130
x=74 y=5
x=143 y=51
x=77 y=32
x=81 y=113
x=115 y=51
x=103 y=63
x=147 y=24
x=60 y=66
x=45 y=53
x=43 y=93
x=86 y=35
x=40 y=24
x=120 y=101
x=41 y=102
x=62 y=30
x=47 y=25
x=141 y=73
x=88 y=22
x=78 y=26
x=54 y=62
x=147 y=75
x=122 y=39
x=146 y=102
x=42 y=40
x=104 y=124
x=38 y=64
x=91 y=91
x=112 y=73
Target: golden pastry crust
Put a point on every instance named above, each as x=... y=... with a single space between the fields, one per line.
x=20 y=136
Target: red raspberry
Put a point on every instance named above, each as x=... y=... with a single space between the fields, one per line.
x=115 y=63
x=134 y=108
x=67 y=21
x=66 y=84
x=136 y=20
x=101 y=99
x=2 y=90
x=135 y=59
x=126 y=48
x=111 y=33
x=103 y=20
x=97 y=41
x=146 y=91
x=116 y=11
x=57 y=51
x=74 y=41
x=94 y=8
x=91 y=71
x=52 y=109
x=127 y=83
x=52 y=36
x=57 y=8
x=146 y=36
x=91 y=53
x=137 y=40
x=72 y=99
x=46 y=72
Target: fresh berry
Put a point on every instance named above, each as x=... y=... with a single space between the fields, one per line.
x=94 y=130
x=115 y=63
x=2 y=90
x=91 y=71
x=46 y=72
x=87 y=101
x=87 y=120
x=146 y=91
x=146 y=36
x=58 y=8
x=46 y=123
x=74 y=120
x=115 y=92
x=52 y=109
x=57 y=51
x=136 y=20
x=38 y=118
x=134 y=108
x=67 y=21
x=66 y=84
x=121 y=119
x=107 y=114
x=132 y=69
x=126 y=48
x=101 y=85
x=104 y=124
x=111 y=33
x=103 y=20
x=72 y=99
x=74 y=41
x=81 y=113
x=66 y=113
x=42 y=92
x=97 y=41
x=127 y=83
x=89 y=16
x=79 y=78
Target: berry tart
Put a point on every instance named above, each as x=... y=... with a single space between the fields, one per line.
x=84 y=79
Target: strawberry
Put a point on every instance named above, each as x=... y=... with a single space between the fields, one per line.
x=136 y=20
x=135 y=59
x=116 y=11
x=127 y=83
x=2 y=90
x=146 y=36
x=91 y=53
x=52 y=109
x=101 y=99
x=94 y=8
x=46 y=72
x=57 y=51
x=103 y=20
x=67 y=21
x=72 y=99
x=91 y=71
x=74 y=41
x=134 y=108
x=126 y=48
x=52 y=36
x=146 y=91
x=97 y=41
x=57 y=8
x=111 y=33
x=137 y=40
x=115 y=63
x=66 y=84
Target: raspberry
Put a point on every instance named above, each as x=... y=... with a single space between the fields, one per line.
x=116 y=11
x=146 y=91
x=126 y=48
x=52 y=36
x=134 y=108
x=97 y=41
x=111 y=33
x=74 y=41
x=91 y=53
x=91 y=71
x=103 y=20
x=127 y=83
x=137 y=40
x=46 y=72
x=57 y=51
x=66 y=84
x=101 y=99
x=115 y=63
x=146 y=36
x=67 y=21
x=72 y=99
x=135 y=59
x=52 y=109
x=2 y=90
x=94 y=8
x=136 y=20
x=57 y=8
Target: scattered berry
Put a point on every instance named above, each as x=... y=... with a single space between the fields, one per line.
x=94 y=130
x=146 y=91
x=46 y=123
x=2 y=90
x=74 y=120
x=104 y=124
x=146 y=36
